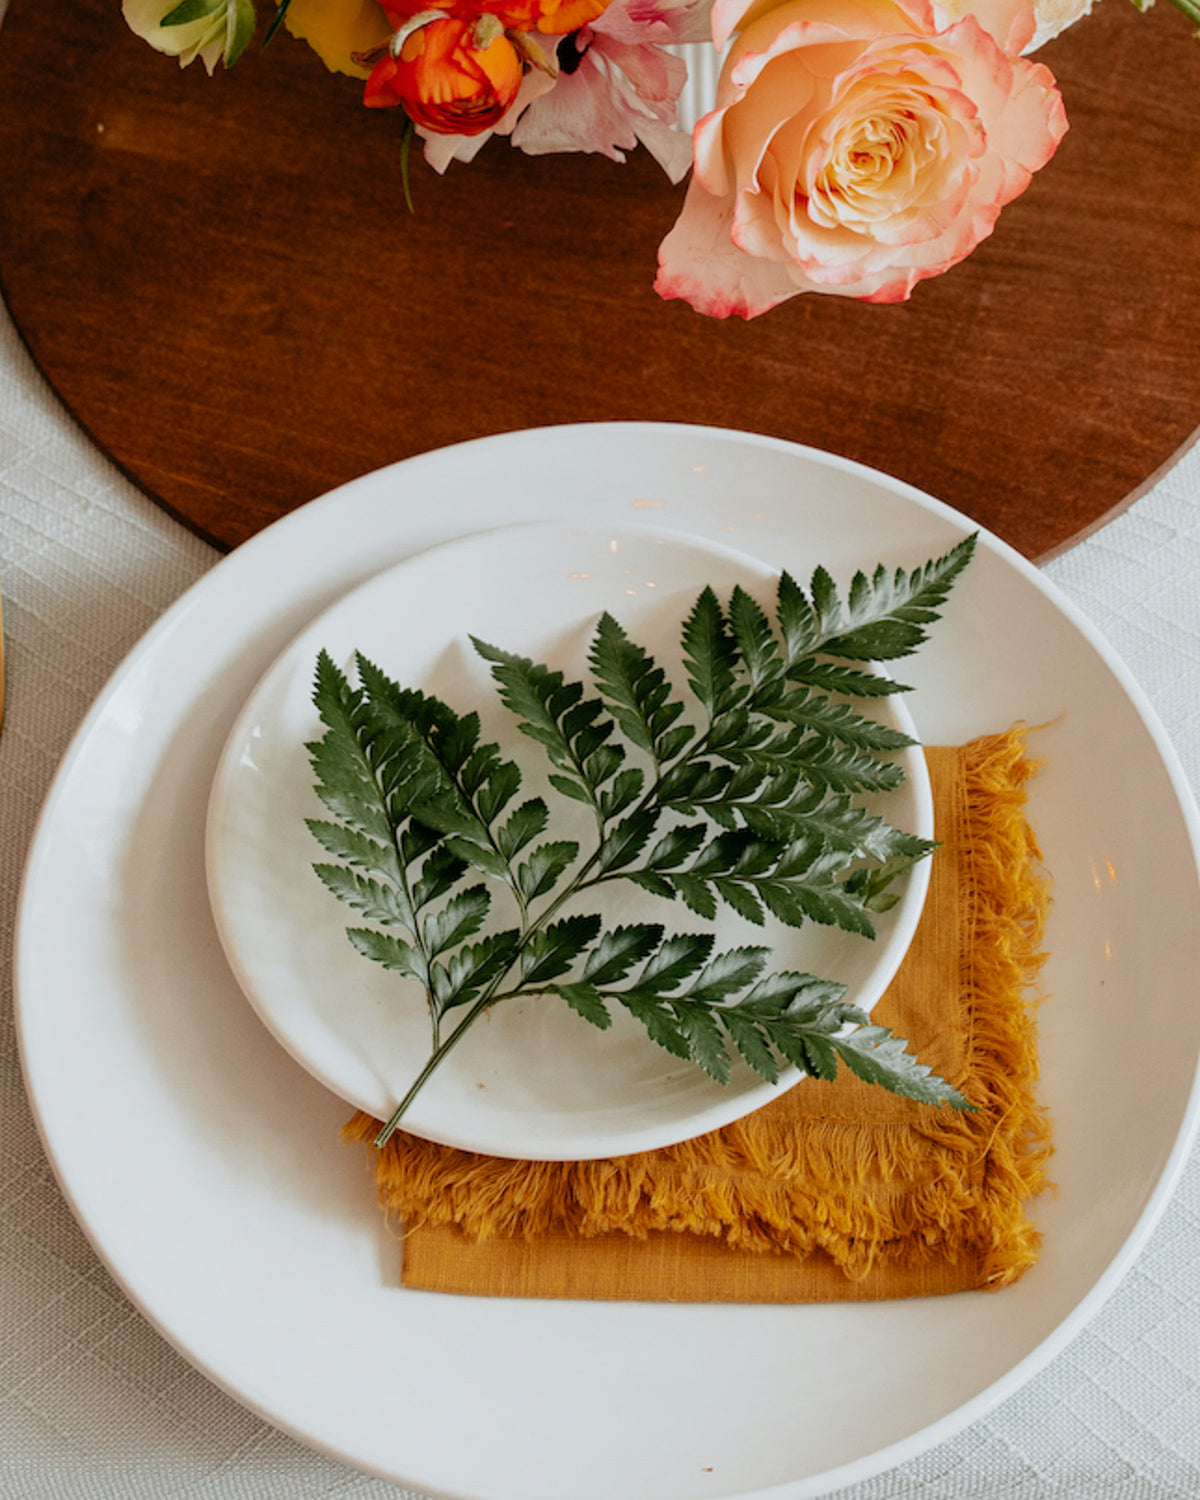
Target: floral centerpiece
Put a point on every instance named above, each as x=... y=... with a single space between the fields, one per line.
x=854 y=147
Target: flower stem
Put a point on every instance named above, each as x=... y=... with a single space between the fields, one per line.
x=1190 y=9
x=281 y=10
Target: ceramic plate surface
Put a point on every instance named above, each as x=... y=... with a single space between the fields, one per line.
x=534 y=1080
x=205 y=1163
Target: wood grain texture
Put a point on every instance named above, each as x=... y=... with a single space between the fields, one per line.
x=219 y=278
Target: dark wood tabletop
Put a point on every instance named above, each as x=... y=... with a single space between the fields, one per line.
x=221 y=281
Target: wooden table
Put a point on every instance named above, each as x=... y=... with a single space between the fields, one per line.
x=219 y=278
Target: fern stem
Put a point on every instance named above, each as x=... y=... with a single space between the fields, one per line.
x=441 y=1050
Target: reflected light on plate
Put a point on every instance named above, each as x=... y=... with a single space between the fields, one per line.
x=1103 y=875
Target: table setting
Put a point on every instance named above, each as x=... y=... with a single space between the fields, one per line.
x=785 y=753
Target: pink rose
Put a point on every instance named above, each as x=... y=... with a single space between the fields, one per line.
x=857 y=147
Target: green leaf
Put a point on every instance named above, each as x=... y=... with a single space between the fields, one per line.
x=738 y=851
x=803 y=997
x=657 y=885
x=661 y=1023
x=354 y=848
x=573 y=729
x=687 y=784
x=727 y=973
x=537 y=696
x=697 y=894
x=710 y=654
x=751 y=1042
x=762 y=810
x=823 y=762
x=496 y=789
x=443 y=809
x=441 y=775
x=586 y=1001
x=623 y=843
x=472 y=967
x=819 y=714
x=542 y=869
x=522 y=827
x=887 y=614
x=459 y=919
x=479 y=856
x=569 y=787
x=702 y=1032
x=795 y=617
x=742 y=899
x=587 y=734
x=875 y=1055
x=617 y=952
x=676 y=961
x=820 y=900
x=552 y=950
x=346 y=781
x=636 y=691
x=191 y=10
x=676 y=845
x=439 y=874
x=831 y=677
x=416 y=840
x=623 y=793
x=392 y=952
x=377 y=902
x=755 y=641
x=240 y=21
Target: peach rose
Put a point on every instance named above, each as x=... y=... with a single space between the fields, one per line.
x=857 y=147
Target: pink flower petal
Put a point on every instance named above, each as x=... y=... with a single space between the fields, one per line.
x=662 y=23
x=699 y=264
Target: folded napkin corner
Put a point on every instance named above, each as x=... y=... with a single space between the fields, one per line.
x=833 y=1191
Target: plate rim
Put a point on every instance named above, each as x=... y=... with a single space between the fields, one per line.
x=912 y=1443
x=622 y=1138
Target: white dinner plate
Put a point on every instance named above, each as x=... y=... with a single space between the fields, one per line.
x=534 y=1080
x=205 y=1163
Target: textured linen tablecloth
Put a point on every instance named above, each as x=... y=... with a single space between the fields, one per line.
x=95 y=1406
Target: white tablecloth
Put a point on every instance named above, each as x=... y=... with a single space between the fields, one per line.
x=95 y=1406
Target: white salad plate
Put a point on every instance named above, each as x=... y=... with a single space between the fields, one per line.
x=534 y=1080
x=205 y=1163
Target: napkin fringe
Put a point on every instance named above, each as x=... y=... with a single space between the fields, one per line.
x=942 y=1184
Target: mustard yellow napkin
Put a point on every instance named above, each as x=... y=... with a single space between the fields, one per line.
x=835 y=1191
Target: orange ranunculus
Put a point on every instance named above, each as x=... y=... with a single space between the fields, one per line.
x=400 y=11
x=451 y=76
x=550 y=17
